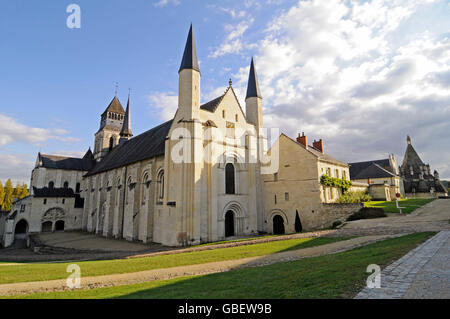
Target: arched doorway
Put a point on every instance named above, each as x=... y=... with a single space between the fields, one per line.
x=59 y=225
x=21 y=227
x=278 y=225
x=47 y=227
x=229 y=224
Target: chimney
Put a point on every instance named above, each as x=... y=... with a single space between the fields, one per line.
x=302 y=139
x=318 y=145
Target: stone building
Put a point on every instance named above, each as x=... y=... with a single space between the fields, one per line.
x=381 y=177
x=156 y=187
x=194 y=179
x=417 y=177
x=55 y=202
x=294 y=197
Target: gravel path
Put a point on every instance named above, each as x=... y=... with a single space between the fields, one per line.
x=191 y=270
x=422 y=273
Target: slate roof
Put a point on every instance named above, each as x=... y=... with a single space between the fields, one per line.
x=126 y=126
x=144 y=146
x=372 y=171
x=190 y=60
x=211 y=106
x=66 y=163
x=53 y=192
x=115 y=106
x=253 y=85
x=356 y=168
x=321 y=156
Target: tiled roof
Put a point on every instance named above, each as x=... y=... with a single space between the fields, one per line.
x=115 y=107
x=66 y=163
x=253 y=85
x=53 y=192
x=356 y=168
x=373 y=171
x=211 y=106
x=321 y=156
x=144 y=146
x=190 y=60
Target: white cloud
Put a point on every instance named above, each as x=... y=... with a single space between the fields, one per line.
x=233 y=42
x=163 y=3
x=16 y=167
x=166 y=104
x=330 y=68
x=13 y=131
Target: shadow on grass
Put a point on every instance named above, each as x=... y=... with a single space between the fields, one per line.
x=339 y=275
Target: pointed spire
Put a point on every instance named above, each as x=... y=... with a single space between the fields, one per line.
x=190 y=53
x=253 y=85
x=126 y=127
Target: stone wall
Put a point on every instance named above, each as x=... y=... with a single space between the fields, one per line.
x=331 y=213
x=2 y=224
x=380 y=192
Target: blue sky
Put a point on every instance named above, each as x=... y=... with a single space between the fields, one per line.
x=360 y=75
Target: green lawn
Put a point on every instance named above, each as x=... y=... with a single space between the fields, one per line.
x=237 y=240
x=339 y=275
x=390 y=207
x=50 y=271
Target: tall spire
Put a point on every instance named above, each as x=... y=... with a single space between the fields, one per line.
x=190 y=53
x=253 y=85
x=126 y=127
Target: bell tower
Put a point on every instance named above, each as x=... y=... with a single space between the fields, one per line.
x=111 y=123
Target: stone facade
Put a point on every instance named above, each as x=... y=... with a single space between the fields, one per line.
x=185 y=201
x=417 y=177
x=296 y=190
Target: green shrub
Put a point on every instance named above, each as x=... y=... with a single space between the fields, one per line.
x=335 y=182
x=354 y=198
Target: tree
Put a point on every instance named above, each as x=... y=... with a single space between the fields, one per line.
x=9 y=190
x=17 y=191
x=2 y=195
x=24 y=192
x=298 y=223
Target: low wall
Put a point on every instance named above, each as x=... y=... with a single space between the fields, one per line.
x=330 y=213
x=424 y=195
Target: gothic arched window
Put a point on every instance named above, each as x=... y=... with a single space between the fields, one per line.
x=77 y=188
x=229 y=179
x=66 y=184
x=111 y=143
x=51 y=185
x=144 y=188
x=161 y=185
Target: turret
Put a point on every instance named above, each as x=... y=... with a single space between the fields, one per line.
x=253 y=100
x=126 y=133
x=189 y=81
x=436 y=175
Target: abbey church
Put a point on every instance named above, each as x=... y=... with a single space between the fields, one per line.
x=135 y=188
x=203 y=176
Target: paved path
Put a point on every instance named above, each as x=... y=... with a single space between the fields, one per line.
x=190 y=270
x=434 y=217
x=422 y=273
